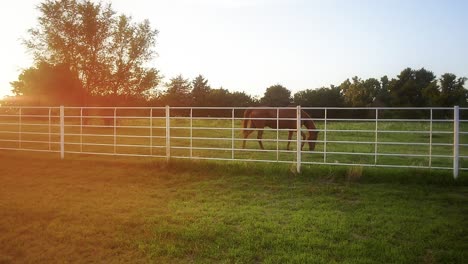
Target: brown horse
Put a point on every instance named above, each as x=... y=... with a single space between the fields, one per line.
x=254 y=117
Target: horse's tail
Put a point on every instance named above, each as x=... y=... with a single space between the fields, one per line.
x=245 y=124
x=247 y=113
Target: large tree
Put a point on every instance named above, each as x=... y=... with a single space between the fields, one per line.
x=452 y=90
x=44 y=85
x=360 y=93
x=276 y=95
x=109 y=52
x=410 y=86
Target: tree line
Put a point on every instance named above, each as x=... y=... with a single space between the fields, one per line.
x=57 y=85
x=86 y=54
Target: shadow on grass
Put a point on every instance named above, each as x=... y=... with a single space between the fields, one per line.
x=313 y=173
x=321 y=173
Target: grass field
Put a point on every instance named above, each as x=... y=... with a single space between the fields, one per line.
x=111 y=209
x=399 y=143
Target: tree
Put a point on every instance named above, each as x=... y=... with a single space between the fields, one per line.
x=276 y=95
x=431 y=95
x=452 y=90
x=219 y=97
x=360 y=93
x=382 y=96
x=241 y=99
x=222 y=97
x=200 y=91
x=108 y=52
x=322 y=97
x=407 y=89
x=178 y=92
x=48 y=84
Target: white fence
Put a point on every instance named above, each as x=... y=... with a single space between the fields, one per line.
x=434 y=138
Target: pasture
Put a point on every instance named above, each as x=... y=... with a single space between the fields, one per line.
x=425 y=142
x=122 y=209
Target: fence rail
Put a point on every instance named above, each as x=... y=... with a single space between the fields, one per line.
x=435 y=138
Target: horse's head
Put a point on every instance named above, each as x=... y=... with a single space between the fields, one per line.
x=311 y=139
x=313 y=134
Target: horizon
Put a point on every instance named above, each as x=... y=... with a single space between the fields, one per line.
x=248 y=46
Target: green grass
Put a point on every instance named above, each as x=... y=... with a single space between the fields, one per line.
x=101 y=209
x=363 y=149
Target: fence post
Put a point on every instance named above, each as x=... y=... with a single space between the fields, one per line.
x=62 y=132
x=81 y=129
x=151 y=132
x=20 y=128
x=50 y=131
x=430 y=140
x=115 y=130
x=168 y=133
x=325 y=136
x=233 y=134
x=299 y=137
x=376 y=135
x=191 y=132
x=277 y=134
x=456 y=130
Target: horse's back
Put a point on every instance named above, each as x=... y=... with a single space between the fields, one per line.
x=285 y=117
x=256 y=115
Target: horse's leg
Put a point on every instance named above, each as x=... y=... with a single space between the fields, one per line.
x=259 y=137
x=246 y=133
x=289 y=138
x=303 y=139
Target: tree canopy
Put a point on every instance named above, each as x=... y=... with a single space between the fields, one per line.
x=183 y=92
x=108 y=52
x=320 y=97
x=276 y=95
x=178 y=91
x=200 y=90
x=44 y=85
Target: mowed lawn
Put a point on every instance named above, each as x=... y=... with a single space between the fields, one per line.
x=107 y=210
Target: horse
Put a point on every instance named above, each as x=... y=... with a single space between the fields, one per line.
x=253 y=116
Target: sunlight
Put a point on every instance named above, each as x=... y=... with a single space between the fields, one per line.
x=233 y=131
x=249 y=45
x=19 y=16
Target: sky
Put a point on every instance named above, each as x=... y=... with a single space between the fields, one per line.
x=249 y=45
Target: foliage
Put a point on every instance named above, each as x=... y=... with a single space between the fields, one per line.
x=382 y=97
x=321 y=97
x=85 y=53
x=242 y=99
x=48 y=85
x=200 y=91
x=222 y=97
x=360 y=93
x=276 y=95
x=411 y=88
x=407 y=90
x=219 y=97
x=178 y=92
x=106 y=50
x=452 y=90
x=182 y=92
